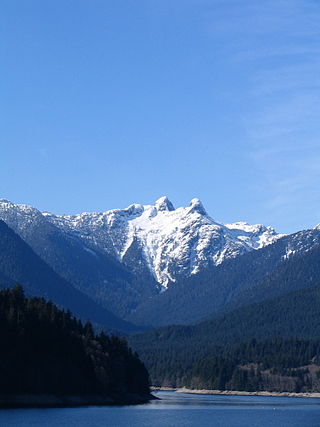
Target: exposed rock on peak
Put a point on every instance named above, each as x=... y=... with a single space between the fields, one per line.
x=164 y=204
x=197 y=206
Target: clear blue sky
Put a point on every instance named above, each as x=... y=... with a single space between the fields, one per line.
x=109 y=102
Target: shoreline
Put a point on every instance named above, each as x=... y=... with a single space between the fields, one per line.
x=238 y=392
x=68 y=401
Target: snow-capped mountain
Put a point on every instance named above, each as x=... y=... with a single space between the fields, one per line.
x=172 y=242
x=124 y=259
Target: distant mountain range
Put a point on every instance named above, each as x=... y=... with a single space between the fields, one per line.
x=155 y=265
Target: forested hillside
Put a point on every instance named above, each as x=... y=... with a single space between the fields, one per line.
x=48 y=351
x=298 y=272
x=271 y=365
x=171 y=352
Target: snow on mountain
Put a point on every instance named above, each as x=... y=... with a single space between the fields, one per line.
x=302 y=241
x=173 y=242
x=20 y=217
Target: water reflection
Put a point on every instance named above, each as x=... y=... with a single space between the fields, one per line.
x=174 y=399
x=177 y=410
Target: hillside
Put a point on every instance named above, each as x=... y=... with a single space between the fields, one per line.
x=170 y=352
x=275 y=365
x=20 y=264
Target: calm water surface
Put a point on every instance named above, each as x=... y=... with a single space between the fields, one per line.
x=177 y=409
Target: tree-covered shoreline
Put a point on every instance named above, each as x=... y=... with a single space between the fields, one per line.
x=276 y=365
x=171 y=353
x=273 y=365
x=47 y=351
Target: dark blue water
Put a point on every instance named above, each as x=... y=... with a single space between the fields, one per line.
x=174 y=410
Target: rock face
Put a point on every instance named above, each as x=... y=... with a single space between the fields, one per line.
x=169 y=243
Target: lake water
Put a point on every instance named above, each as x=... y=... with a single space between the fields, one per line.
x=177 y=409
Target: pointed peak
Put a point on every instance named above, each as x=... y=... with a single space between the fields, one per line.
x=164 y=204
x=197 y=206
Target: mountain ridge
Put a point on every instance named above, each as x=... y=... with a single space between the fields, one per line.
x=209 y=264
x=169 y=243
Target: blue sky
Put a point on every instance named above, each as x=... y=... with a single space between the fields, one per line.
x=106 y=103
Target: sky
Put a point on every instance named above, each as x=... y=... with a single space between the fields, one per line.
x=106 y=103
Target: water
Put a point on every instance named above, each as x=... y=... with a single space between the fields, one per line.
x=175 y=410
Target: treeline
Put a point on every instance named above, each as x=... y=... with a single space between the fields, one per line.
x=273 y=365
x=45 y=350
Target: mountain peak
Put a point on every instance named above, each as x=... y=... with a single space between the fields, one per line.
x=164 y=204
x=197 y=206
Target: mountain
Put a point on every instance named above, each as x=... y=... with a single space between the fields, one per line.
x=155 y=265
x=124 y=257
x=158 y=241
x=89 y=268
x=167 y=242
x=20 y=264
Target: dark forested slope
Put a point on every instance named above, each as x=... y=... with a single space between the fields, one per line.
x=45 y=350
x=170 y=352
x=270 y=365
x=298 y=272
